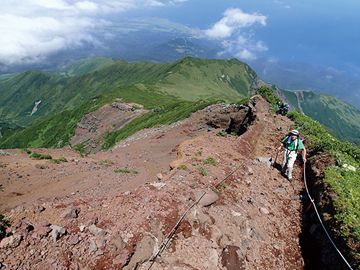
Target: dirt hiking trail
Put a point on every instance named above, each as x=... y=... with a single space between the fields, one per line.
x=81 y=214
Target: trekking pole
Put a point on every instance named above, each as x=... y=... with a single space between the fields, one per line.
x=277 y=153
x=276 y=156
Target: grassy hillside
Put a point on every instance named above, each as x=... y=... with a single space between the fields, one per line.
x=65 y=99
x=339 y=117
x=342 y=183
x=201 y=78
x=190 y=79
x=87 y=65
x=57 y=130
x=58 y=93
x=6 y=129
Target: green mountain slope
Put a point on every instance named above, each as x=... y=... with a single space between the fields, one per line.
x=85 y=66
x=200 y=78
x=65 y=99
x=342 y=119
x=190 y=79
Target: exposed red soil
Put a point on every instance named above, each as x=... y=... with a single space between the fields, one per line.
x=93 y=127
x=255 y=222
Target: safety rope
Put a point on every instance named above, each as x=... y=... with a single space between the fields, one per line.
x=321 y=222
x=177 y=224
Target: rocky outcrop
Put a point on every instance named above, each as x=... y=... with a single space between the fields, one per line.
x=92 y=128
x=126 y=107
x=233 y=118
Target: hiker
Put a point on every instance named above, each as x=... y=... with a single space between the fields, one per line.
x=278 y=106
x=283 y=109
x=292 y=143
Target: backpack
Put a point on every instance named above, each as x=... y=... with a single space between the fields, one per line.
x=286 y=141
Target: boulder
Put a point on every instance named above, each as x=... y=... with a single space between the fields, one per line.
x=23 y=228
x=145 y=249
x=57 y=232
x=264 y=160
x=209 y=198
x=117 y=243
x=41 y=231
x=12 y=241
x=39 y=209
x=70 y=213
x=264 y=211
x=96 y=230
x=100 y=242
x=158 y=185
x=73 y=240
x=82 y=228
x=92 y=247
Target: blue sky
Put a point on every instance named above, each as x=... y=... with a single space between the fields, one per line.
x=321 y=32
x=318 y=32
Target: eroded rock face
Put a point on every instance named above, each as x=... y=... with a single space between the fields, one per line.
x=233 y=118
x=93 y=126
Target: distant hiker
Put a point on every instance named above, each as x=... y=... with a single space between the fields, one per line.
x=283 y=109
x=278 y=106
x=292 y=143
x=286 y=108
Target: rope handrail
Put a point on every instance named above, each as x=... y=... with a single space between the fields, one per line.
x=320 y=220
x=175 y=227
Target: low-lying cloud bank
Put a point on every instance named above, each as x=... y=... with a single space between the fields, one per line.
x=32 y=30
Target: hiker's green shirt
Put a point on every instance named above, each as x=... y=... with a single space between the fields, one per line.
x=293 y=145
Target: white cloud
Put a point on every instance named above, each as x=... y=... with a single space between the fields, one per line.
x=31 y=39
x=235 y=31
x=243 y=47
x=233 y=20
x=30 y=30
x=246 y=54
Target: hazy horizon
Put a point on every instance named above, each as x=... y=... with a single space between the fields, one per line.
x=269 y=35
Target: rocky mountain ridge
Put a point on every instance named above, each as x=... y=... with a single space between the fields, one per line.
x=117 y=222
